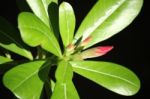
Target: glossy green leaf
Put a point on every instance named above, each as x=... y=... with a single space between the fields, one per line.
x=10 y=40
x=47 y=11
x=4 y=59
x=40 y=8
x=64 y=72
x=109 y=75
x=65 y=91
x=53 y=17
x=25 y=80
x=34 y=32
x=108 y=18
x=64 y=87
x=66 y=23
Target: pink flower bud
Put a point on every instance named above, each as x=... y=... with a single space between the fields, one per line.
x=96 y=52
x=102 y=50
x=86 y=41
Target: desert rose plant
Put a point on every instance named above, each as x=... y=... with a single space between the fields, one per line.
x=50 y=30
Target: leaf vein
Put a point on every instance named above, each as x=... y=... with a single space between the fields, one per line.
x=28 y=77
x=102 y=73
x=46 y=35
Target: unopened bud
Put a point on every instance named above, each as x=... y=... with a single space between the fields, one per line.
x=70 y=49
x=96 y=52
x=103 y=49
x=86 y=41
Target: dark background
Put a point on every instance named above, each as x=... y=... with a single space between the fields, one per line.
x=131 y=50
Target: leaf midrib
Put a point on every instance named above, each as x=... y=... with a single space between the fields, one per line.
x=45 y=9
x=109 y=15
x=46 y=35
x=67 y=23
x=28 y=77
x=65 y=90
x=103 y=73
x=105 y=18
x=66 y=66
x=47 y=18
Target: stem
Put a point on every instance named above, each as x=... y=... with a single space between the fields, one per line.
x=40 y=53
x=48 y=89
x=47 y=85
x=7 y=54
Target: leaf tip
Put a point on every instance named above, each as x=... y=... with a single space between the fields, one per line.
x=96 y=52
x=102 y=50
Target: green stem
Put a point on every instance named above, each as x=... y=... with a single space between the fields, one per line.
x=48 y=89
x=41 y=54
x=8 y=55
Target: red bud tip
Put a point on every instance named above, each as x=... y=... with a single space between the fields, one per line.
x=103 y=49
x=96 y=52
x=86 y=41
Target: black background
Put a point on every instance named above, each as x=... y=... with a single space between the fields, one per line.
x=131 y=50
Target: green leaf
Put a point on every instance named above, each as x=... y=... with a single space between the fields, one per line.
x=52 y=85
x=4 y=59
x=34 y=32
x=40 y=8
x=66 y=23
x=109 y=75
x=64 y=87
x=65 y=91
x=64 y=72
x=47 y=11
x=53 y=17
x=108 y=18
x=25 y=80
x=10 y=39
